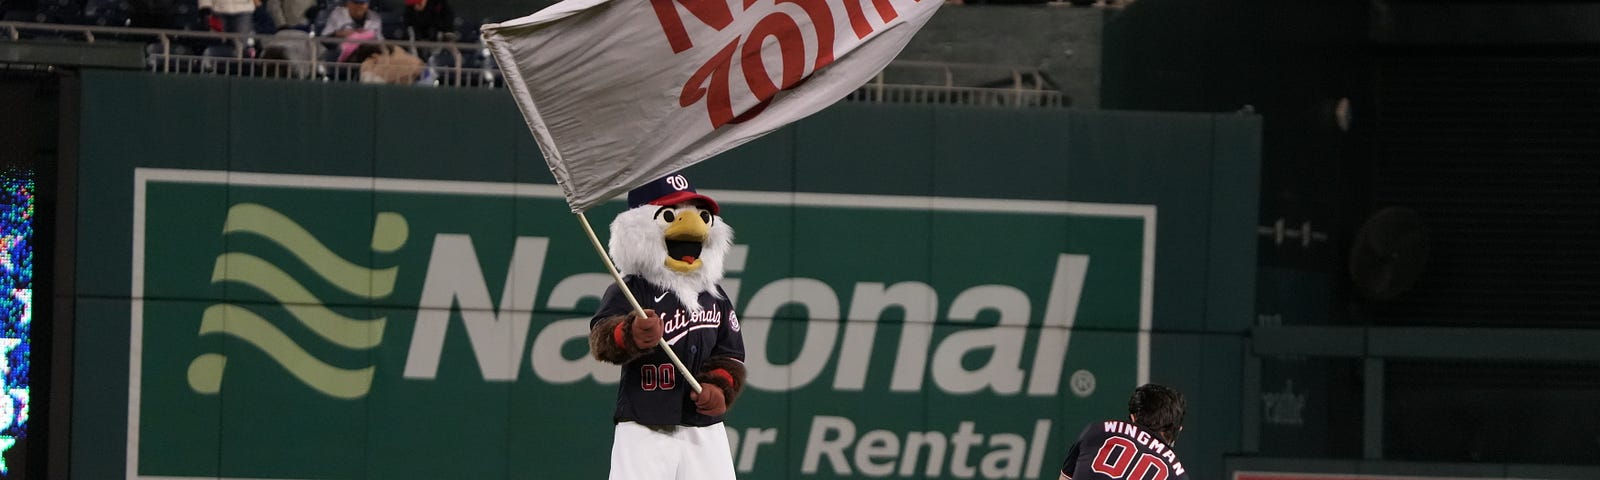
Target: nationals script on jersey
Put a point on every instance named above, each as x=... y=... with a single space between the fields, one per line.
x=651 y=392
x=1118 y=450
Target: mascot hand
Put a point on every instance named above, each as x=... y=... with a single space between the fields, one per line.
x=709 y=401
x=647 y=331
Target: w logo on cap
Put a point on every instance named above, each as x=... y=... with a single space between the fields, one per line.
x=677 y=182
x=669 y=190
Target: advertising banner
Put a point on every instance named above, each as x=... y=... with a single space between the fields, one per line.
x=300 y=326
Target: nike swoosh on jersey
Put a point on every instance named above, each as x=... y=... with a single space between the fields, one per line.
x=662 y=295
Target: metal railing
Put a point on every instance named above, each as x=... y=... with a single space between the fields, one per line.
x=293 y=54
x=909 y=81
x=288 y=54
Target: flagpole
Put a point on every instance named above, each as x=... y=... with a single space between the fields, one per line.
x=637 y=310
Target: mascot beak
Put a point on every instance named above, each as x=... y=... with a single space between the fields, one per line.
x=688 y=227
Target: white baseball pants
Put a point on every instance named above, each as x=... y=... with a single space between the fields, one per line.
x=676 y=453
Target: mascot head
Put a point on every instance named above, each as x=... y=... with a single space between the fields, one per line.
x=673 y=237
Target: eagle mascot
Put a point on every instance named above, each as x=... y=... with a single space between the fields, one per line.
x=670 y=245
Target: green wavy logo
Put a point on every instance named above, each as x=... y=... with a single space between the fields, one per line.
x=389 y=233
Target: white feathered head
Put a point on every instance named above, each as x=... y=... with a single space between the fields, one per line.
x=672 y=237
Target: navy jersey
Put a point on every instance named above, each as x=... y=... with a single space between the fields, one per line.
x=652 y=391
x=1118 y=450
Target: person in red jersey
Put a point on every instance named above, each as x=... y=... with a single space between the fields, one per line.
x=1139 y=448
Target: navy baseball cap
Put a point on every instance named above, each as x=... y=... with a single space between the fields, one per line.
x=669 y=190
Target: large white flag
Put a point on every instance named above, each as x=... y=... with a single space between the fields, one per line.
x=621 y=92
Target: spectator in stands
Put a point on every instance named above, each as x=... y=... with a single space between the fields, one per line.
x=292 y=50
x=235 y=15
x=431 y=20
x=289 y=13
x=354 y=21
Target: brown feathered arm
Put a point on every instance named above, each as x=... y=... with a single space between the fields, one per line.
x=726 y=373
x=610 y=341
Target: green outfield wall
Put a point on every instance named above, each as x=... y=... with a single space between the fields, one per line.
x=300 y=280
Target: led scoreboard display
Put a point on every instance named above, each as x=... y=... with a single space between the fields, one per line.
x=16 y=312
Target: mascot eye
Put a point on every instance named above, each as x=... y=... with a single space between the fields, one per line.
x=705 y=217
x=665 y=214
